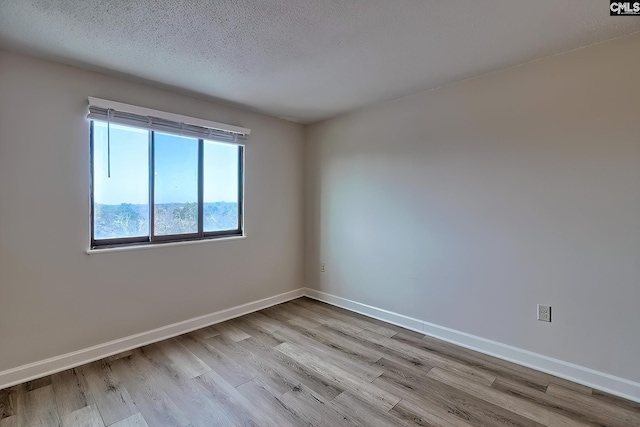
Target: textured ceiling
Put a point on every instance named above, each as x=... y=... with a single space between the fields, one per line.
x=303 y=60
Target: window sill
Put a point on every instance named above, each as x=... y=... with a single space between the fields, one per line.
x=160 y=245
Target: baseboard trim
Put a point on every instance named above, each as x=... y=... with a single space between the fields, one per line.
x=56 y=364
x=570 y=371
x=560 y=368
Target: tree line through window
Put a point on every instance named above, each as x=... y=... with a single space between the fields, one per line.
x=155 y=187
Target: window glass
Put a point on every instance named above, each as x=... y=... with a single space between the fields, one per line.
x=192 y=189
x=175 y=184
x=220 y=186
x=120 y=182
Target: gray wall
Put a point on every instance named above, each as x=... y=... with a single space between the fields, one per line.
x=53 y=297
x=468 y=205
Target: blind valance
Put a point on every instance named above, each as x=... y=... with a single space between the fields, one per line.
x=145 y=118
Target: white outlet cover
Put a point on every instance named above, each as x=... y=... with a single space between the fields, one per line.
x=544 y=313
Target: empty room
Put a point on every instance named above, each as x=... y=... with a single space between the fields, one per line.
x=319 y=213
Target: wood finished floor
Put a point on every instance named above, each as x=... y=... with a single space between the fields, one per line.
x=306 y=363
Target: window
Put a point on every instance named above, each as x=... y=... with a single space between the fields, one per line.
x=151 y=186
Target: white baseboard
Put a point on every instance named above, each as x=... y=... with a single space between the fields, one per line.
x=569 y=371
x=576 y=373
x=52 y=365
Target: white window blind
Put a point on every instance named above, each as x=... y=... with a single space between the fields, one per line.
x=146 y=118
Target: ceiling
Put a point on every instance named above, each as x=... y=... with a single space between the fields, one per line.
x=303 y=60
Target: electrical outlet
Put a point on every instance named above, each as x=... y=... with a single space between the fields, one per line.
x=544 y=313
x=322 y=268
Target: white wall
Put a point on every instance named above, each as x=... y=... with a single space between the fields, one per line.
x=53 y=297
x=468 y=205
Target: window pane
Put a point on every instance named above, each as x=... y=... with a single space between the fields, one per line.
x=220 y=186
x=176 y=184
x=121 y=200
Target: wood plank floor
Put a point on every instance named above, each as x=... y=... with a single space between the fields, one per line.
x=305 y=363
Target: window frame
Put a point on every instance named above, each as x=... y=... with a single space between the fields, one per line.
x=152 y=238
